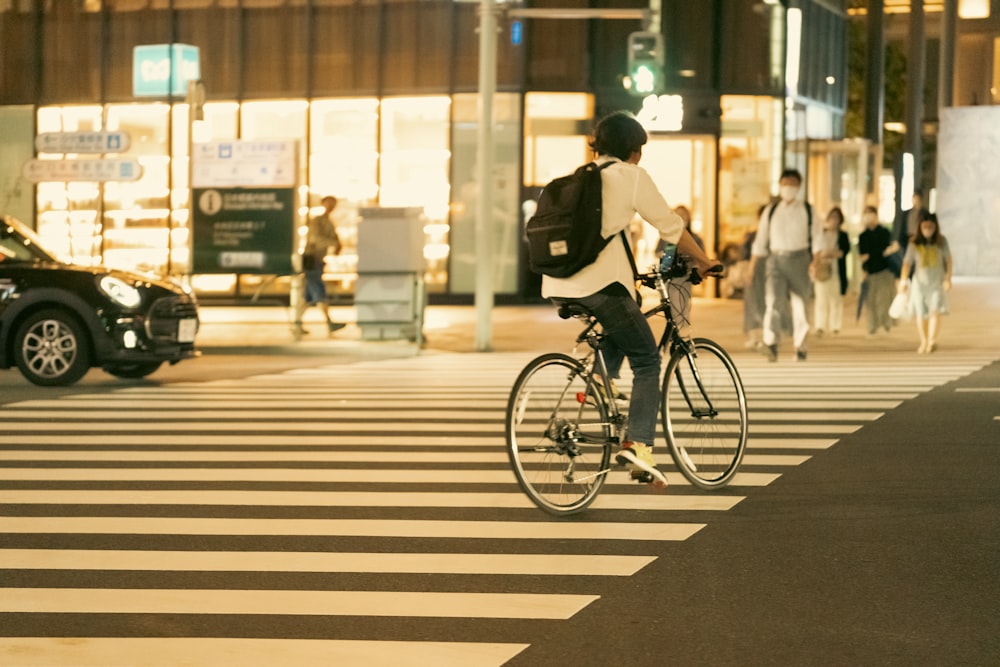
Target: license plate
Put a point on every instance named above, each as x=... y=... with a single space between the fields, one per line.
x=186 y=329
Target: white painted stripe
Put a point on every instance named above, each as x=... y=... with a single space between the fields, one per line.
x=495 y=416
x=280 y=417
x=789 y=443
x=977 y=390
x=251 y=440
x=277 y=394
x=305 y=457
x=298 y=561
x=309 y=603
x=217 y=652
x=455 y=406
x=399 y=432
x=293 y=475
x=153 y=441
x=248 y=456
x=520 y=530
x=513 y=500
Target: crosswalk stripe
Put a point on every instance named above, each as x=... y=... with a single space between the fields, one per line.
x=249 y=652
x=315 y=457
x=291 y=602
x=513 y=500
x=335 y=407
x=342 y=415
x=394 y=430
x=286 y=561
x=301 y=475
x=9 y=442
x=520 y=530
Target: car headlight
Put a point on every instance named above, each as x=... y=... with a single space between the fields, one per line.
x=120 y=291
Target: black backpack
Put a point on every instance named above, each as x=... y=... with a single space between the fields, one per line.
x=564 y=235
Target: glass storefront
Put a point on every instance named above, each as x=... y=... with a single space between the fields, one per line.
x=750 y=162
x=391 y=152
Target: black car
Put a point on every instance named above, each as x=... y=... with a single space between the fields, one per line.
x=58 y=320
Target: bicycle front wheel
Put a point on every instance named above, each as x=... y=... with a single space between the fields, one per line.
x=558 y=434
x=704 y=414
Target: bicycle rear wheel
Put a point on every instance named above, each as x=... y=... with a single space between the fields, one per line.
x=704 y=414
x=558 y=435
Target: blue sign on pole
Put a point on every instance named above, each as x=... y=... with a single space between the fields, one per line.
x=516 y=33
x=159 y=70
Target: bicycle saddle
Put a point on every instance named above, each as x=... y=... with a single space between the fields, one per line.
x=572 y=309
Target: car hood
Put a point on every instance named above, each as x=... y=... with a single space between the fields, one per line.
x=132 y=277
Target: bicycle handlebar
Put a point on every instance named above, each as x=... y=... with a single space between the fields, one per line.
x=680 y=269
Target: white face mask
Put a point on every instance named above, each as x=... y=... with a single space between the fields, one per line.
x=788 y=192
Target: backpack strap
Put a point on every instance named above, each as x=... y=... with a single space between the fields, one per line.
x=628 y=248
x=628 y=253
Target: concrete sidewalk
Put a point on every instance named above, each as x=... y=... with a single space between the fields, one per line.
x=973 y=325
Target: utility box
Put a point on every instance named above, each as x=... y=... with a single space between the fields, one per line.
x=389 y=294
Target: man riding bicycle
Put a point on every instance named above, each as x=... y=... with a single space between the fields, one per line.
x=607 y=287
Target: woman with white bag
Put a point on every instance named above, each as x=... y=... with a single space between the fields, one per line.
x=829 y=275
x=930 y=258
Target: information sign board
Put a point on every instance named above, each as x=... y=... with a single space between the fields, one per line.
x=82 y=142
x=112 y=169
x=159 y=70
x=243 y=230
x=245 y=163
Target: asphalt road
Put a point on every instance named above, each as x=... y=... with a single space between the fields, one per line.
x=885 y=550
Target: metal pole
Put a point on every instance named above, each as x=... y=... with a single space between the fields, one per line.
x=874 y=74
x=915 y=68
x=946 y=71
x=484 y=169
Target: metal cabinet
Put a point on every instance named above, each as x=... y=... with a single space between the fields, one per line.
x=389 y=294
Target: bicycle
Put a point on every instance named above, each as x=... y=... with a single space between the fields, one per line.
x=563 y=420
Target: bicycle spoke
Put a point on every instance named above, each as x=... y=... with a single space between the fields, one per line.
x=705 y=414
x=552 y=418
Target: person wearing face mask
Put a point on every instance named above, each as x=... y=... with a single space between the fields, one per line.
x=930 y=257
x=785 y=240
x=874 y=247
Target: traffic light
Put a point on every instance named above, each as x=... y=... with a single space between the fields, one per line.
x=645 y=63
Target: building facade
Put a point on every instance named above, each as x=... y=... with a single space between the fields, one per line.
x=381 y=97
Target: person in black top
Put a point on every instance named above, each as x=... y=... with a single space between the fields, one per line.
x=874 y=246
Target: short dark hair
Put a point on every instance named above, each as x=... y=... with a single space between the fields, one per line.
x=618 y=134
x=791 y=173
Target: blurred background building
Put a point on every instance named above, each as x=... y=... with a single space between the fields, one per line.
x=381 y=98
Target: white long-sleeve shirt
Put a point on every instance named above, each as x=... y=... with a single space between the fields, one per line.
x=626 y=189
x=787 y=230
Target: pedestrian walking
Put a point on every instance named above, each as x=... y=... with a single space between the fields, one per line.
x=321 y=240
x=874 y=246
x=930 y=257
x=829 y=273
x=785 y=239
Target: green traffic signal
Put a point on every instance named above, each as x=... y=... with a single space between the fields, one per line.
x=645 y=63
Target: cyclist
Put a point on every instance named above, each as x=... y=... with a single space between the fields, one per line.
x=607 y=287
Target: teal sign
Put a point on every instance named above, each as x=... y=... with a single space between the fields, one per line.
x=243 y=230
x=159 y=70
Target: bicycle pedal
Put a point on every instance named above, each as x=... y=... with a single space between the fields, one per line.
x=642 y=476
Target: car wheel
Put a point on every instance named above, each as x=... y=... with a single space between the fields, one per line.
x=136 y=370
x=52 y=349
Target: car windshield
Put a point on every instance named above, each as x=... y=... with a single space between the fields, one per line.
x=19 y=243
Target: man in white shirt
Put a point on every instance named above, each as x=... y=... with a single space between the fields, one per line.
x=607 y=287
x=786 y=239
